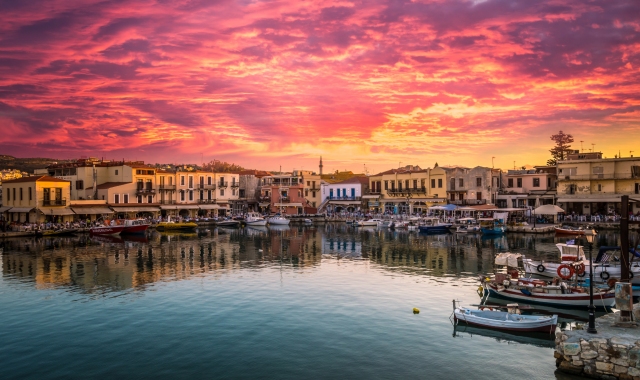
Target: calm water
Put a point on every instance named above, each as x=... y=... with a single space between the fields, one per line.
x=331 y=302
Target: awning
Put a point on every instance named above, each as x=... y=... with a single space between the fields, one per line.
x=187 y=207
x=288 y=204
x=209 y=207
x=92 y=210
x=4 y=208
x=589 y=200
x=172 y=207
x=370 y=196
x=57 y=211
x=345 y=202
x=21 y=209
x=264 y=204
x=135 y=209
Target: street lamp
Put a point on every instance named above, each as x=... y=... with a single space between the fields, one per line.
x=590 y=236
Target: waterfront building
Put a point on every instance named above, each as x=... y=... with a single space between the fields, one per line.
x=589 y=184
x=344 y=196
x=249 y=191
x=284 y=193
x=408 y=189
x=37 y=199
x=526 y=188
x=472 y=186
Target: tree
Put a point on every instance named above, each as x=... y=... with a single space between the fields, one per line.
x=561 y=149
x=221 y=167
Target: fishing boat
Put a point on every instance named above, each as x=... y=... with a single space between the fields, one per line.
x=175 y=226
x=467 y=225
x=492 y=227
x=255 y=219
x=572 y=261
x=369 y=222
x=228 y=223
x=510 y=320
x=434 y=226
x=278 y=220
x=575 y=231
x=135 y=226
x=106 y=230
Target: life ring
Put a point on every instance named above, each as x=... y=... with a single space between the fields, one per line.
x=580 y=269
x=604 y=275
x=541 y=268
x=562 y=270
x=584 y=273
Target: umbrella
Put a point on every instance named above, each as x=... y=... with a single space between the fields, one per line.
x=537 y=202
x=548 y=210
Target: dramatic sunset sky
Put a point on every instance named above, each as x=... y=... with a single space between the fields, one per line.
x=270 y=83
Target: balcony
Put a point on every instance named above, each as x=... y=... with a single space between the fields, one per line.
x=345 y=198
x=285 y=199
x=54 y=202
x=145 y=190
x=409 y=191
x=203 y=186
x=207 y=201
x=469 y=202
x=167 y=187
x=590 y=177
x=167 y=202
x=235 y=184
x=222 y=184
x=266 y=198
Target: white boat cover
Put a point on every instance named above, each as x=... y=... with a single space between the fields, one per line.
x=508 y=258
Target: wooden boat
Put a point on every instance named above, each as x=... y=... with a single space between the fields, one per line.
x=135 y=226
x=255 y=219
x=60 y=232
x=434 y=226
x=106 y=230
x=575 y=231
x=176 y=226
x=228 y=223
x=510 y=320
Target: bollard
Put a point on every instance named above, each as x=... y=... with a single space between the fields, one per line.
x=624 y=301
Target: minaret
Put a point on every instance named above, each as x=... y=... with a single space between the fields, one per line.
x=320 y=165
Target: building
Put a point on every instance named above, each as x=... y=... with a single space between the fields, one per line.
x=472 y=186
x=284 y=193
x=37 y=199
x=528 y=188
x=344 y=196
x=409 y=189
x=249 y=191
x=589 y=184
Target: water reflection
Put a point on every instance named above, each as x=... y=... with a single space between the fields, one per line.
x=105 y=264
x=534 y=339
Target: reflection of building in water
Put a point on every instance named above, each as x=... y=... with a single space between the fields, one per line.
x=301 y=245
x=342 y=244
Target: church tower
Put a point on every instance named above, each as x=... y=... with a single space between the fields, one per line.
x=320 y=165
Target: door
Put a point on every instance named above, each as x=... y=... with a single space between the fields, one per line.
x=330 y=193
x=353 y=193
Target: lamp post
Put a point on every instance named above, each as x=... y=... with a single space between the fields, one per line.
x=590 y=236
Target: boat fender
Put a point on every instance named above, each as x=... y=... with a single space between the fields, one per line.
x=562 y=271
x=480 y=291
x=604 y=275
x=582 y=274
x=580 y=269
x=416 y=310
x=541 y=268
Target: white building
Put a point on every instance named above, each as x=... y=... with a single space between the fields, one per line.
x=343 y=196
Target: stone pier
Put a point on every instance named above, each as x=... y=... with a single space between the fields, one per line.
x=612 y=353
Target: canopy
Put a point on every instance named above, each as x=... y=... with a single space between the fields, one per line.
x=445 y=207
x=135 y=209
x=163 y=207
x=188 y=207
x=92 y=210
x=548 y=210
x=507 y=258
x=21 y=209
x=4 y=208
x=209 y=207
x=57 y=211
x=288 y=204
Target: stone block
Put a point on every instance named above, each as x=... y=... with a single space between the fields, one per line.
x=620 y=369
x=571 y=349
x=633 y=372
x=557 y=355
x=620 y=361
x=588 y=355
x=578 y=363
x=568 y=367
x=604 y=367
x=634 y=357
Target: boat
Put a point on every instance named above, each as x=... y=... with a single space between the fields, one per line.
x=468 y=225
x=369 y=222
x=255 y=219
x=538 y=339
x=60 y=232
x=384 y=223
x=572 y=260
x=510 y=320
x=434 y=226
x=228 y=223
x=492 y=227
x=399 y=224
x=106 y=230
x=575 y=231
x=176 y=226
x=307 y=221
x=135 y=226
x=278 y=220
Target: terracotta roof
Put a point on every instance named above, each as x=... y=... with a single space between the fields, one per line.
x=364 y=181
x=43 y=178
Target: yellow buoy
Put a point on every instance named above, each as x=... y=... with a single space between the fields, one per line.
x=416 y=310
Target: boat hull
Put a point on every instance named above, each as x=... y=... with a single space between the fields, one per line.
x=279 y=221
x=442 y=229
x=262 y=222
x=175 y=226
x=562 y=231
x=511 y=322
x=551 y=270
x=108 y=230
x=493 y=231
x=137 y=229
x=600 y=301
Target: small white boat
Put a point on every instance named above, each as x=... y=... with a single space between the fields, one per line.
x=510 y=320
x=468 y=225
x=385 y=223
x=255 y=219
x=308 y=221
x=278 y=220
x=369 y=222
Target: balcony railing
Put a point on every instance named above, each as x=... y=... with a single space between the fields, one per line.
x=145 y=191
x=54 y=202
x=235 y=184
x=285 y=199
x=203 y=186
x=411 y=190
x=167 y=187
x=266 y=198
x=223 y=184
x=207 y=201
x=469 y=202
x=167 y=202
x=345 y=198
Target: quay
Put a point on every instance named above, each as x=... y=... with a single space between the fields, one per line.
x=612 y=353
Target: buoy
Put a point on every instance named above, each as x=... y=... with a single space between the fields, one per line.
x=416 y=310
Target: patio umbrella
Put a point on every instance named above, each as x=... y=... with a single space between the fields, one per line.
x=548 y=210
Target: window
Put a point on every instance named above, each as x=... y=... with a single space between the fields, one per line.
x=386 y=185
x=190 y=194
x=170 y=180
x=139 y=185
x=233 y=191
x=181 y=180
x=313 y=194
x=209 y=194
x=461 y=182
x=393 y=185
x=20 y=194
x=8 y=195
x=149 y=185
x=637 y=188
x=58 y=193
x=116 y=171
x=14 y=194
x=149 y=198
x=306 y=192
x=439 y=182
x=510 y=182
x=191 y=182
x=422 y=181
x=30 y=194
x=599 y=187
x=242 y=193
x=201 y=194
x=139 y=198
x=406 y=184
x=479 y=182
x=519 y=180
x=415 y=184
x=209 y=180
x=308 y=183
x=222 y=192
x=399 y=185
x=125 y=198
x=182 y=195
x=433 y=183
x=161 y=180
x=536 y=182
x=79 y=185
x=635 y=172
x=116 y=198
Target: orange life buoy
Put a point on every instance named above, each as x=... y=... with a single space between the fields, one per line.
x=562 y=270
x=579 y=268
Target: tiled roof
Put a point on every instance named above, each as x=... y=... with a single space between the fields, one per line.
x=43 y=178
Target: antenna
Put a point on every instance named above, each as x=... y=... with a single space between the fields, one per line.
x=492 y=162
x=514 y=165
x=581 y=148
x=593 y=147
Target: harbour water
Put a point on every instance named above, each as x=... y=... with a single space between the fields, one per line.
x=321 y=302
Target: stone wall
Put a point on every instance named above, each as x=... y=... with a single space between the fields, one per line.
x=612 y=353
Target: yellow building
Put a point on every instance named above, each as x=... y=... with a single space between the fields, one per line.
x=36 y=199
x=589 y=184
x=406 y=190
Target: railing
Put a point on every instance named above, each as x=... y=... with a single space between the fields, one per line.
x=223 y=184
x=587 y=177
x=469 y=202
x=207 y=201
x=285 y=199
x=374 y=192
x=167 y=202
x=265 y=199
x=235 y=184
x=54 y=202
x=167 y=187
x=345 y=198
x=206 y=186
x=145 y=191
x=411 y=190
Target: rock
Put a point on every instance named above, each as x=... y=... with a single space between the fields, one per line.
x=620 y=369
x=579 y=363
x=571 y=349
x=568 y=367
x=620 y=361
x=603 y=366
x=588 y=355
x=557 y=355
x=634 y=357
x=633 y=372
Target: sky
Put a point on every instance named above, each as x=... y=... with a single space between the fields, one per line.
x=368 y=85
